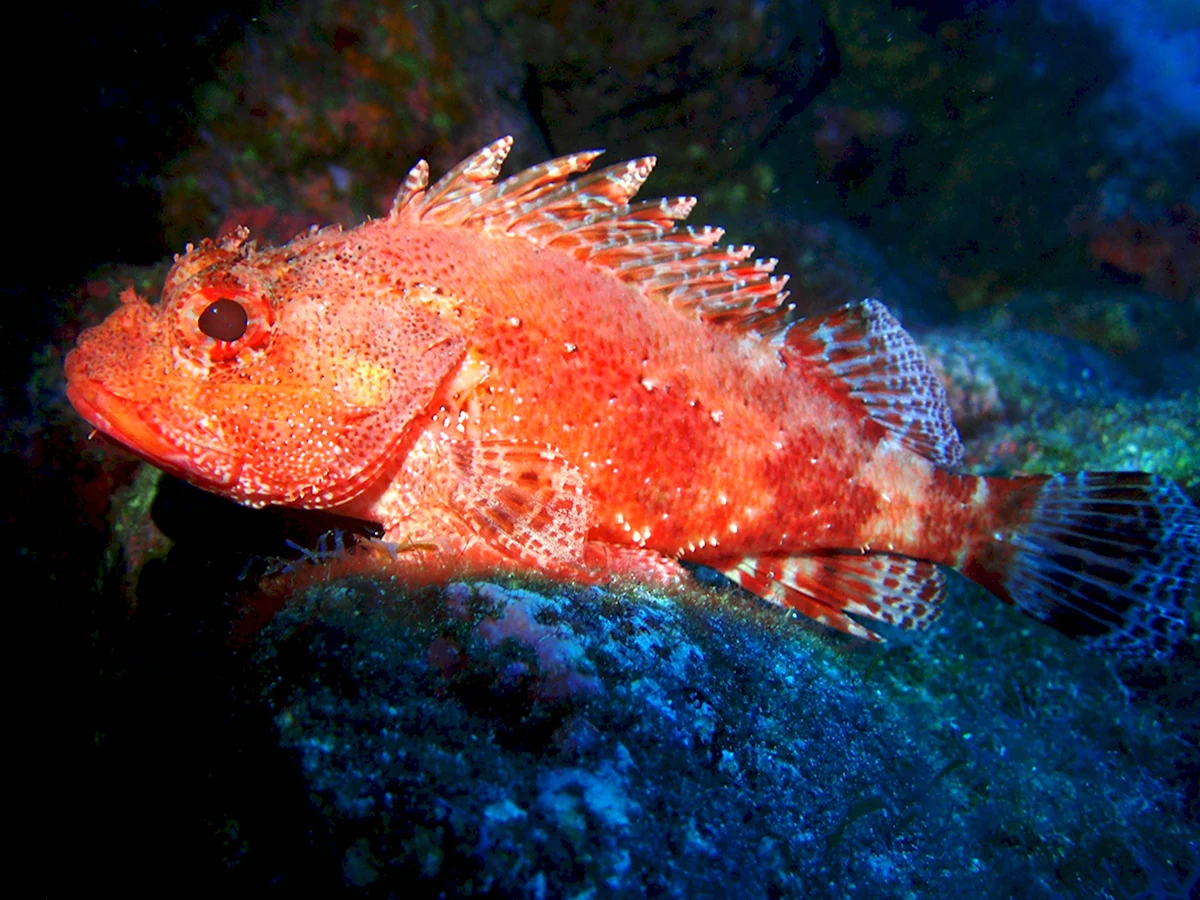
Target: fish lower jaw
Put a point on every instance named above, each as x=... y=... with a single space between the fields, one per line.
x=118 y=419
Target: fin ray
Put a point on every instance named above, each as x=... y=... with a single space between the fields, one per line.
x=1108 y=557
x=862 y=346
x=830 y=585
x=525 y=500
x=593 y=218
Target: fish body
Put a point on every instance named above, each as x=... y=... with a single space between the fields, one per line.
x=540 y=374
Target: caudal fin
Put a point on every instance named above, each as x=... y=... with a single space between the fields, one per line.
x=1111 y=558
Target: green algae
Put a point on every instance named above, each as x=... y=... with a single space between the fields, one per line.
x=134 y=539
x=1136 y=435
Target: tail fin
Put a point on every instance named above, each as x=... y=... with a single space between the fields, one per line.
x=1112 y=558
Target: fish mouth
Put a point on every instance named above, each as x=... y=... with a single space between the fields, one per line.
x=119 y=419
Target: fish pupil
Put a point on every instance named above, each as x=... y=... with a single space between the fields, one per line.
x=224 y=320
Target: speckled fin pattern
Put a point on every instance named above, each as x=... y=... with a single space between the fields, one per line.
x=592 y=217
x=863 y=346
x=528 y=501
x=1110 y=557
x=825 y=586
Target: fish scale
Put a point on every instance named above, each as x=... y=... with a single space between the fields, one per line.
x=539 y=374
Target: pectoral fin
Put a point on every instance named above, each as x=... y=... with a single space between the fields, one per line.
x=527 y=501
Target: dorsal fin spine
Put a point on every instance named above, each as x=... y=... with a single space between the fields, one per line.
x=592 y=218
x=414 y=184
x=527 y=186
x=479 y=168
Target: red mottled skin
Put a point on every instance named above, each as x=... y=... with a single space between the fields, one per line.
x=480 y=389
x=725 y=434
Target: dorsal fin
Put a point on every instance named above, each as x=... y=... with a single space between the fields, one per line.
x=866 y=349
x=415 y=183
x=592 y=218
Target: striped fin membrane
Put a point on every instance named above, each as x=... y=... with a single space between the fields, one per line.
x=1111 y=558
x=826 y=586
x=593 y=218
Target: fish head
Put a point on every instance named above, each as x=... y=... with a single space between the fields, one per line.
x=271 y=377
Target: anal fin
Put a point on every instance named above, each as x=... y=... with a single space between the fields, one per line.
x=829 y=586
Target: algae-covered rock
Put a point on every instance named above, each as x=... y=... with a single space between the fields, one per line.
x=519 y=740
x=494 y=739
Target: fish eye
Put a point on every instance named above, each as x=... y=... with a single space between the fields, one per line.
x=216 y=317
x=223 y=320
